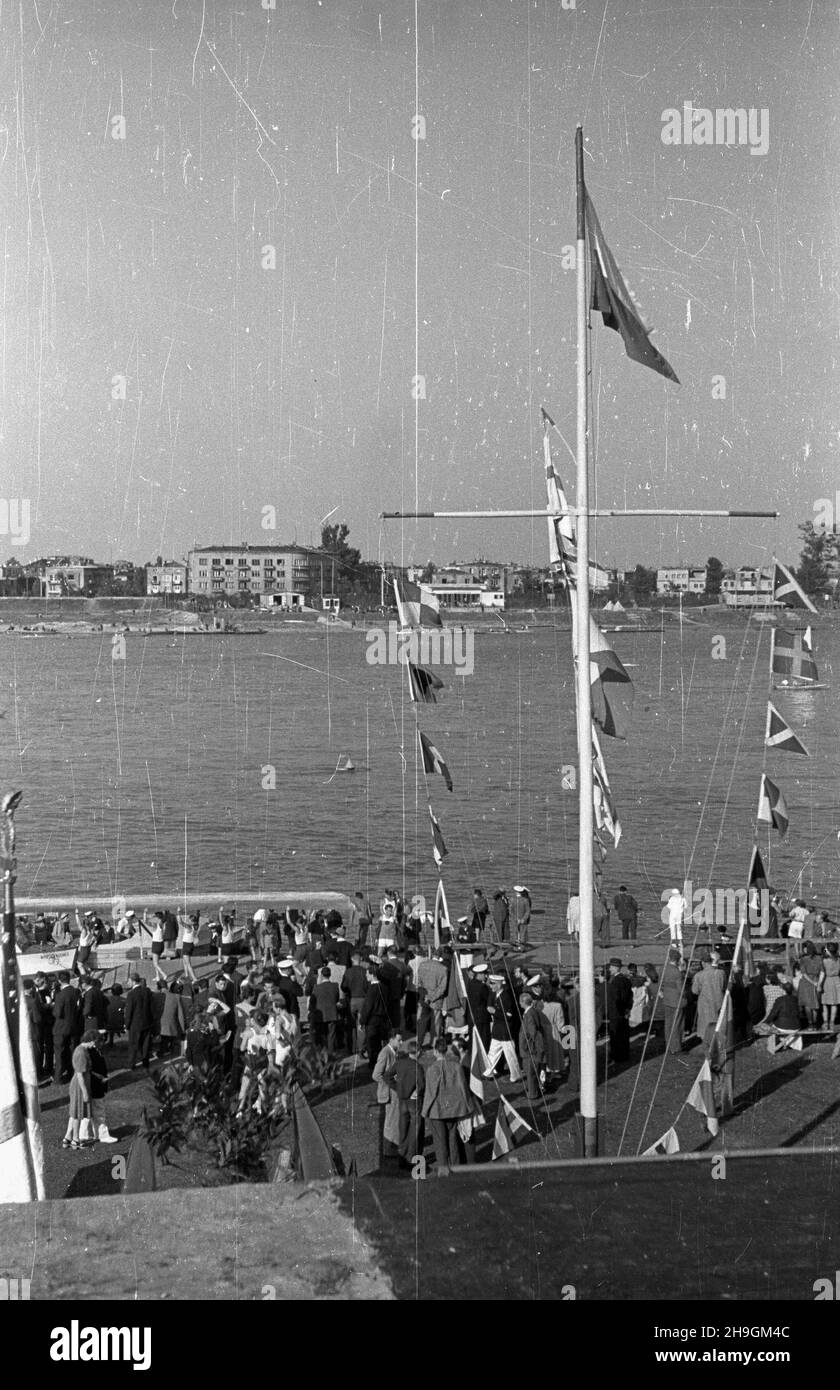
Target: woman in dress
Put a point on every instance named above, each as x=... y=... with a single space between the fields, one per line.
x=810 y=982
x=79 y=1096
x=522 y=915
x=831 y=984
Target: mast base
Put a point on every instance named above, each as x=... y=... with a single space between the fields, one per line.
x=588 y=1136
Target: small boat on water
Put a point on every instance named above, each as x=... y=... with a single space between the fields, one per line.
x=345 y=763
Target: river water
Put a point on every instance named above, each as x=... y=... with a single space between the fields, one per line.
x=153 y=773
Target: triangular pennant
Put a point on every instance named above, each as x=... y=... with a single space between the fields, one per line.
x=668 y=1144
x=787 y=590
x=771 y=806
x=780 y=735
x=701 y=1097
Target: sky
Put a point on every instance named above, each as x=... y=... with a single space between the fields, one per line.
x=165 y=378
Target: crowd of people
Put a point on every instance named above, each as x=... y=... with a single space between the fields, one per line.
x=377 y=988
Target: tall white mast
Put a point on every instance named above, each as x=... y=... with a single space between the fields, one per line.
x=588 y=1056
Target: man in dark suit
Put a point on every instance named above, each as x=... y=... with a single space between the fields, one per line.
x=324 y=1006
x=478 y=1000
x=67 y=1025
x=45 y=999
x=374 y=1017
x=139 y=1022
x=619 y=1003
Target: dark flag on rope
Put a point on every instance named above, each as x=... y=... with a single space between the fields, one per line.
x=439 y=849
x=614 y=302
x=771 y=805
x=780 y=735
x=432 y=760
x=422 y=684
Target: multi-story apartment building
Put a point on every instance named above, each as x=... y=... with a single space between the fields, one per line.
x=168 y=577
x=72 y=576
x=748 y=587
x=220 y=570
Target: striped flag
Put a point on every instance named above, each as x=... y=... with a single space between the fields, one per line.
x=758 y=894
x=417 y=606
x=21 y=1144
x=701 y=1096
x=432 y=760
x=479 y=1064
x=562 y=541
x=668 y=1144
x=771 y=806
x=786 y=590
x=611 y=298
x=439 y=849
x=509 y=1124
x=422 y=684
x=606 y=816
x=441 y=917
x=780 y=735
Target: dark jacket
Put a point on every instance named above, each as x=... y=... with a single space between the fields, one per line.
x=139 y=1013
x=446 y=1096
x=95 y=1008
x=785 y=1012
x=325 y=1000
x=354 y=983
x=506 y=1017
x=374 y=1011
x=173 y=1020
x=532 y=1036
x=619 y=998
x=291 y=992
x=626 y=907
x=67 y=1013
x=478 y=998
x=407 y=1076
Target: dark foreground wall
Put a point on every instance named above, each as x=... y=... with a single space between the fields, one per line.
x=766 y=1228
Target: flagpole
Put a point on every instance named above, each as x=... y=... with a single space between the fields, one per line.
x=588 y=1055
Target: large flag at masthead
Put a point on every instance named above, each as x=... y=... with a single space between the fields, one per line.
x=613 y=300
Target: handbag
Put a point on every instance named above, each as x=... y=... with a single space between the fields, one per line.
x=86 y=1130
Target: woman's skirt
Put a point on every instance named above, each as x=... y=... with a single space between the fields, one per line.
x=831 y=990
x=79 y=1108
x=807 y=994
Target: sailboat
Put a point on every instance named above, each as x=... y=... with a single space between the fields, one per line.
x=792 y=660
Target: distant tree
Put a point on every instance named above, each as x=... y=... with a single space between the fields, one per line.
x=427 y=574
x=345 y=560
x=642 y=584
x=714 y=576
x=819 y=549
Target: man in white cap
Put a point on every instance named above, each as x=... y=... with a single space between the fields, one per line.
x=126 y=926
x=675 y=908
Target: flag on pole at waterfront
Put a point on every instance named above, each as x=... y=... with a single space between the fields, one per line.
x=439 y=849
x=417 y=605
x=771 y=806
x=668 y=1144
x=21 y=1143
x=758 y=894
x=612 y=688
x=787 y=590
x=611 y=298
x=780 y=735
x=432 y=759
x=509 y=1124
x=441 y=917
x=701 y=1097
x=479 y=1064
x=422 y=684
x=606 y=816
